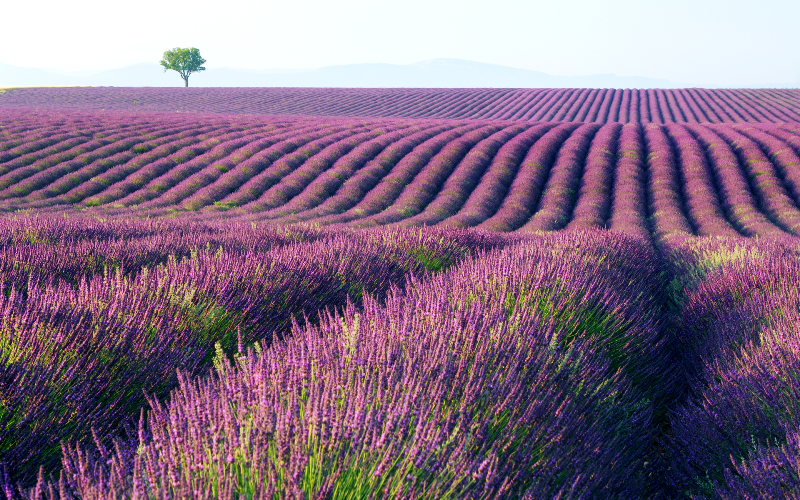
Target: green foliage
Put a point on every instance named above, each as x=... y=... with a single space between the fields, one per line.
x=184 y=61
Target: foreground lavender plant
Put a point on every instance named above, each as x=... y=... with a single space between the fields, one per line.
x=740 y=359
x=435 y=393
x=85 y=338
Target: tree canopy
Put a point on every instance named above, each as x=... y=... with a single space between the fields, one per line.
x=184 y=61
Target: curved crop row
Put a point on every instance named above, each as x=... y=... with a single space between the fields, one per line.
x=595 y=191
x=559 y=194
x=674 y=179
x=463 y=179
x=702 y=199
x=526 y=188
x=351 y=190
x=629 y=206
x=327 y=182
x=667 y=204
x=428 y=181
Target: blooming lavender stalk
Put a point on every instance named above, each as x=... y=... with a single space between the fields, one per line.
x=740 y=348
x=431 y=393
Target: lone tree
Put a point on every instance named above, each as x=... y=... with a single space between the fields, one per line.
x=184 y=61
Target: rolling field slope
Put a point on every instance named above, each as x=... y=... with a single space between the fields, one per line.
x=643 y=179
x=538 y=105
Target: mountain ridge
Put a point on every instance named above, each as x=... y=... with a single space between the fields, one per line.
x=433 y=73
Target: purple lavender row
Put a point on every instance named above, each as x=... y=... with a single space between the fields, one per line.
x=353 y=190
x=76 y=182
x=464 y=178
x=559 y=194
x=34 y=148
x=256 y=185
x=735 y=193
x=782 y=157
x=513 y=108
x=767 y=185
x=376 y=197
x=493 y=185
x=294 y=183
x=737 y=427
x=429 y=394
x=775 y=104
x=750 y=113
x=21 y=181
x=327 y=183
x=603 y=105
x=581 y=108
x=536 y=105
x=148 y=154
x=258 y=158
x=63 y=147
x=557 y=113
x=667 y=204
x=160 y=180
x=712 y=112
x=629 y=202
x=420 y=190
x=133 y=181
x=43 y=132
x=602 y=112
x=591 y=112
x=208 y=170
x=593 y=205
x=525 y=190
x=702 y=200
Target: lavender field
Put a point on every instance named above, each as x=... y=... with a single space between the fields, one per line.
x=537 y=105
x=555 y=294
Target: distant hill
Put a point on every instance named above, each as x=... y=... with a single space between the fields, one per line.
x=447 y=73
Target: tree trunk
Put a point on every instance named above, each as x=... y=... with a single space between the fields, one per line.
x=186 y=82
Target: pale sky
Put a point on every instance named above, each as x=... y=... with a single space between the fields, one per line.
x=712 y=42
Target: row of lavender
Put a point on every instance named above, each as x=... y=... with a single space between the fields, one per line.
x=394 y=362
x=663 y=180
x=734 y=431
x=98 y=315
x=579 y=105
x=525 y=370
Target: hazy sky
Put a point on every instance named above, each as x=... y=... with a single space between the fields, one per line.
x=722 y=42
